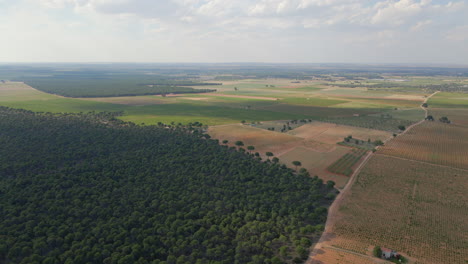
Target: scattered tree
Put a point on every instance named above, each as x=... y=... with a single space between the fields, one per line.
x=297 y=164
x=250 y=148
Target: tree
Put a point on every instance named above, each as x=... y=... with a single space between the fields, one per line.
x=243 y=122
x=330 y=184
x=378 y=142
x=401 y=127
x=424 y=105
x=275 y=160
x=239 y=143
x=225 y=141
x=430 y=118
x=250 y=148
x=377 y=252
x=444 y=119
x=297 y=163
x=269 y=154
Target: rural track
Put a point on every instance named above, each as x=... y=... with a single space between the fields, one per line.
x=333 y=209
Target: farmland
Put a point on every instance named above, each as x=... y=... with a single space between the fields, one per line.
x=346 y=163
x=432 y=142
x=314 y=144
x=406 y=205
x=408 y=196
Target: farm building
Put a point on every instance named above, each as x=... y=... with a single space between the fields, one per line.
x=389 y=253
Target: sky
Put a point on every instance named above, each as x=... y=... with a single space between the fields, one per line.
x=273 y=31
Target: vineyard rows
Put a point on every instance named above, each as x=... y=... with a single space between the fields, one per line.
x=345 y=164
x=432 y=142
x=415 y=208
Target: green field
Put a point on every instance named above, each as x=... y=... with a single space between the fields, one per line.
x=360 y=102
x=449 y=100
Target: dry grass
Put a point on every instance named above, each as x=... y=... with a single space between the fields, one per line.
x=317 y=162
x=332 y=133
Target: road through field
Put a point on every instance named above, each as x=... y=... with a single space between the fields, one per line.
x=333 y=210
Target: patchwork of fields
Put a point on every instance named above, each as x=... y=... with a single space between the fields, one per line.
x=313 y=144
x=410 y=196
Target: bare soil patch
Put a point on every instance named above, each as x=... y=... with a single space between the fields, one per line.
x=332 y=133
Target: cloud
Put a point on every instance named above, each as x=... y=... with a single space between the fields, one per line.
x=458 y=34
x=240 y=30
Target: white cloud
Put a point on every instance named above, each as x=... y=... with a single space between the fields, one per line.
x=213 y=30
x=421 y=24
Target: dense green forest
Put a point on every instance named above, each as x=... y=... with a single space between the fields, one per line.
x=87 y=188
x=91 y=85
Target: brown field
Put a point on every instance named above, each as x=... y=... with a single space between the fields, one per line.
x=130 y=100
x=317 y=162
x=433 y=142
x=315 y=156
x=333 y=133
x=455 y=115
x=332 y=255
x=416 y=208
x=262 y=139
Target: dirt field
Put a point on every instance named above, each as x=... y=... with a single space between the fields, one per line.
x=433 y=142
x=313 y=144
x=415 y=208
x=332 y=133
x=317 y=162
x=314 y=155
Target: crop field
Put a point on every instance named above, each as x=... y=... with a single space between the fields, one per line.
x=332 y=133
x=412 y=114
x=345 y=164
x=457 y=116
x=319 y=112
x=415 y=208
x=315 y=156
x=370 y=121
x=432 y=142
x=449 y=100
x=316 y=162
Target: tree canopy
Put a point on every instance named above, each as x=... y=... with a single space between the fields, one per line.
x=79 y=188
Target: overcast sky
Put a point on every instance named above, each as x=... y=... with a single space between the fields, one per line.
x=388 y=31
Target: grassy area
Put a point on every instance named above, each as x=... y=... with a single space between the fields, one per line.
x=449 y=100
